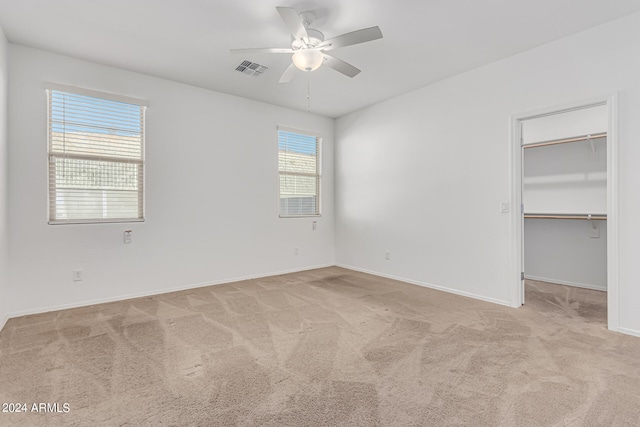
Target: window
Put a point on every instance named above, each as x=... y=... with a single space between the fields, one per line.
x=96 y=157
x=299 y=166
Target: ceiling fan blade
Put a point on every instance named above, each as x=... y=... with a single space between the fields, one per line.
x=263 y=50
x=340 y=66
x=288 y=74
x=354 y=37
x=293 y=22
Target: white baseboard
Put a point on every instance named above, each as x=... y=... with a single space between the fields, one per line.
x=431 y=286
x=628 y=331
x=160 y=292
x=3 y=321
x=565 y=282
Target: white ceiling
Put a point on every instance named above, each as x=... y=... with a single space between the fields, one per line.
x=189 y=40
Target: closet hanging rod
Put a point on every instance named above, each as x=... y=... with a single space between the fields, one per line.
x=567 y=216
x=564 y=141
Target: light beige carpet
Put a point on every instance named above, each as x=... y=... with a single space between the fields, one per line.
x=327 y=347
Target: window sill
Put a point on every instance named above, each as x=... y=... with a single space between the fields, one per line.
x=93 y=221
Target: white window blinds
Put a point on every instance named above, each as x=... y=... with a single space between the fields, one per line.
x=299 y=167
x=96 y=159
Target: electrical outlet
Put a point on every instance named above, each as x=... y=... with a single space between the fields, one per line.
x=128 y=236
x=77 y=275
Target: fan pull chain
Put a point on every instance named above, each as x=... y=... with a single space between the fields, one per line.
x=308 y=95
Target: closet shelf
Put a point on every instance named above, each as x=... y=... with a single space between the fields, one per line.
x=566 y=140
x=566 y=216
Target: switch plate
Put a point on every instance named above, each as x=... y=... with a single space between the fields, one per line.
x=77 y=275
x=504 y=207
x=387 y=254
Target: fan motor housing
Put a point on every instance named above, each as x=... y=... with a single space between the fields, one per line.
x=315 y=38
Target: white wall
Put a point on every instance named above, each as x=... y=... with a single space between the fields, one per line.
x=4 y=175
x=566 y=178
x=571 y=177
x=568 y=124
x=563 y=251
x=422 y=174
x=211 y=193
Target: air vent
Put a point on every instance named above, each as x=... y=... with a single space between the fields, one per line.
x=251 y=68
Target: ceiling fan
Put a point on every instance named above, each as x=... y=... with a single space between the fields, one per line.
x=309 y=48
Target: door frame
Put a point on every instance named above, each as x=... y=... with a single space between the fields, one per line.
x=517 y=220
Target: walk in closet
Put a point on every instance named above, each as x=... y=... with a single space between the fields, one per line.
x=565 y=198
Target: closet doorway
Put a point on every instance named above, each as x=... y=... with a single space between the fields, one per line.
x=566 y=227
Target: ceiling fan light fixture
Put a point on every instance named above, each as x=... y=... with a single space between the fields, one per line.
x=307 y=59
x=309 y=47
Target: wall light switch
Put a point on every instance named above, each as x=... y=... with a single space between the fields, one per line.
x=504 y=207
x=128 y=236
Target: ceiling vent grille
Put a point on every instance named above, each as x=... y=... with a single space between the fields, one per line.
x=251 y=68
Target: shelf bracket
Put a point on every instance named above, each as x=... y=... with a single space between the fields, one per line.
x=593 y=145
x=595 y=232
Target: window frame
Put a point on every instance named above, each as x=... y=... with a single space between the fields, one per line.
x=318 y=174
x=74 y=90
